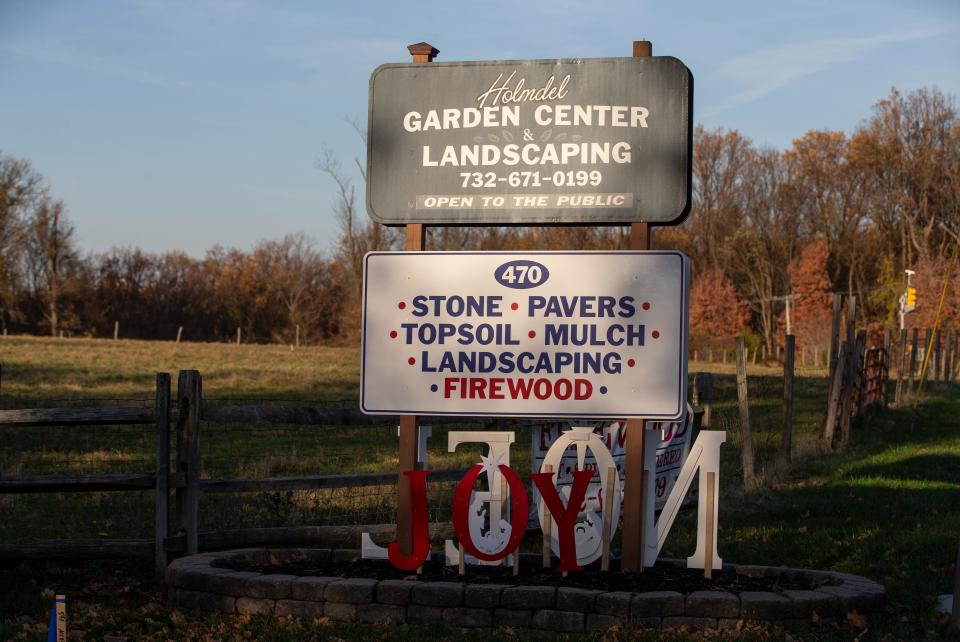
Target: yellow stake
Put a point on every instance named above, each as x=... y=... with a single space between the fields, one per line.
x=936 y=325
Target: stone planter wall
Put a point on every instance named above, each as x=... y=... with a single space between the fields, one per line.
x=195 y=584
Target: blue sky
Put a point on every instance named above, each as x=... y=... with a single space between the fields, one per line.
x=180 y=125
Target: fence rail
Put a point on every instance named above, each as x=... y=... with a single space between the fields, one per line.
x=857 y=382
x=180 y=472
x=78 y=416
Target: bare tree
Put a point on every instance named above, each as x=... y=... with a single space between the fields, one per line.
x=720 y=159
x=358 y=233
x=911 y=149
x=758 y=253
x=52 y=252
x=20 y=187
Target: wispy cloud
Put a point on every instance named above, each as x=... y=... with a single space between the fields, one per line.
x=765 y=70
x=91 y=63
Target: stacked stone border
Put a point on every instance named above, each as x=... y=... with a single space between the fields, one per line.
x=194 y=583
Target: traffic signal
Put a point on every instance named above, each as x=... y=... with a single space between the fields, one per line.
x=911 y=297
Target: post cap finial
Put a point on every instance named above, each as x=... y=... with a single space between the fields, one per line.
x=642 y=48
x=423 y=49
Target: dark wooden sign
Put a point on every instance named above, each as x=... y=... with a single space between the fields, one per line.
x=599 y=141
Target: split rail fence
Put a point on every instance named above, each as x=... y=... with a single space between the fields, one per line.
x=859 y=376
x=181 y=476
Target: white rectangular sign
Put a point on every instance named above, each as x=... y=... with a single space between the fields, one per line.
x=536 y=334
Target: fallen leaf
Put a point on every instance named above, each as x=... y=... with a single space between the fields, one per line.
x=857 y=620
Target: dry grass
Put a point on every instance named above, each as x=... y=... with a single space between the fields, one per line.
x=47 y=370
x=44 y=371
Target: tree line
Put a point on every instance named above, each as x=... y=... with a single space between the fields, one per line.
x=47 y=287
x=769 y=230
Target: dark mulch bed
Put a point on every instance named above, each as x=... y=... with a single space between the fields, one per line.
x=662 y=577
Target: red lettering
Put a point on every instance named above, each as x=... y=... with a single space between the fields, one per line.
x=564 y=516
x=449 y=385
x=418 y=515
x=583 y=389
x=519 y=509
x=476 y=388
x=496 y=386
x=519 y=387
x=567 y=389
x=541 y=388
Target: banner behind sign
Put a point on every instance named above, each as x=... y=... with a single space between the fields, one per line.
x=591 y=334
x=675 y=438
x=538 y=141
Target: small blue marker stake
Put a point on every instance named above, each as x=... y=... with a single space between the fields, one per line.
x=57 y=628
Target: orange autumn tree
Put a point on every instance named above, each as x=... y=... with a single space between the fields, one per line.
x=717 y=313
x=811 y=307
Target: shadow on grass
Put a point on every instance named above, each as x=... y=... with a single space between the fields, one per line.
x=937 y=467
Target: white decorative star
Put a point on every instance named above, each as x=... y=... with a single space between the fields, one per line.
x=490 y=465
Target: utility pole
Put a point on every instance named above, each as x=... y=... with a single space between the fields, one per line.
x=908 y=300
x=787 y=299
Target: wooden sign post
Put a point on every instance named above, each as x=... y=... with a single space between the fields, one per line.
x=633 y=538
x=416 y=242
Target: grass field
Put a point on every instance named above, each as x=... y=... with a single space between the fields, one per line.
x=887 y=506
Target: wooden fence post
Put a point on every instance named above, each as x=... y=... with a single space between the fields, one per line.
x=936 y=356
x=885 y=368
x=786 y=443
x=116 y=330
x=834 y=333
x=860 y=372
x=746 y=436
x=836 y=389
x=947 y=355
x=162 y=470
x=189 y=397
x=832 y=356
x=901 y=363
x=956 y=356
x=912 y=370
x=179 y=333
x=703 y=391
x=851 y=368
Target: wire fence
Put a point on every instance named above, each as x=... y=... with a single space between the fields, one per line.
x=239 y=450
